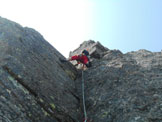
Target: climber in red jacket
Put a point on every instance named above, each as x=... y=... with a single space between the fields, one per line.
x=82 y=58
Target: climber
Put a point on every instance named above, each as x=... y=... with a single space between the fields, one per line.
x=83 y=58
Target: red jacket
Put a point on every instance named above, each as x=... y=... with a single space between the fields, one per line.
x=82 y=58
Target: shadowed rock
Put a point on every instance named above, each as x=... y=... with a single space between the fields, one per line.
x=34 y=85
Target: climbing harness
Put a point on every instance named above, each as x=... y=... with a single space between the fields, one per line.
x=84 y=108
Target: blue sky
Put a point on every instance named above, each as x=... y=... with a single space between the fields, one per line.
x=127 y=25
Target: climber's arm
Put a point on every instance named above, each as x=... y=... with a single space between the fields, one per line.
x=74 y=58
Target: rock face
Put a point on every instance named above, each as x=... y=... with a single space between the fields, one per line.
x=36 y=87
x=124 y=87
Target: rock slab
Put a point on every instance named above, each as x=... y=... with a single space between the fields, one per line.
x=34 y=85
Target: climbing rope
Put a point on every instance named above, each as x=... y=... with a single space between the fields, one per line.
x=84 y=108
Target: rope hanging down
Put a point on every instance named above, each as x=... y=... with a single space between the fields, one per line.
x=84 y=108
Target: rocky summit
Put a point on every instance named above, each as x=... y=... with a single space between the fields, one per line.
x=35 y=86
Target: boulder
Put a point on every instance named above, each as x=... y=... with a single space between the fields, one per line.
x=95 y=49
